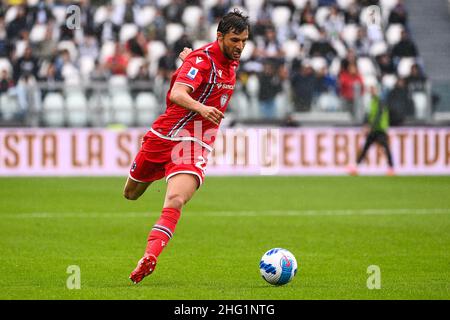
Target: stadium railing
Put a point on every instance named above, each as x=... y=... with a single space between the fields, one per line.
x=100 y=104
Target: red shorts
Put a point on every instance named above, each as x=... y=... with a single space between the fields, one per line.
x=160 y=158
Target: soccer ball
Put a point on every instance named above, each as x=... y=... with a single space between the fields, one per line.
x=278 y=266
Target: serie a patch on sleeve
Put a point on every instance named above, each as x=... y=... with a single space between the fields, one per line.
x=192 y=73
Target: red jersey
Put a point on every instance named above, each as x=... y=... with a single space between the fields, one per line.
x=212 y=76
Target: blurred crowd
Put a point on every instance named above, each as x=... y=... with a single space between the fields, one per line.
x=302 y=55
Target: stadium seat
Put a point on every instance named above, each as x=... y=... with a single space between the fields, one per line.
x=8 y=107
x=366 y=66
x=145 y=16
x=156 y=49
x=340 y=47
x=389 y=80
x=378 y=48
x=59 y=12
x=199 y=43
x=300 y=4
x=291 y=49
x=108 y=48
x=370 y=81
x=253 y=7
x=100 y=15
x=21 y=45
x=318 y=63
x=87 y=65
x=322 y=15
x=212 y=33
x=280 y=16
x=310 y=32
x=10 y=14
x=69 y=46
x=53 y=110
x=173 y=32
x=388 y=4
x=5 y=65
x=147 y=108
x=100 y=113
x=118 y=84
x=335 y=67
x=134 y=65
x=393 y=33
x=404 y=66
x=38 y=32
x=77 y=109
x=349 y=33
x=192 y=16
x=248 y=50
x=127 y=31
x=123 y=108
x=420 y=105
x=208 y=4
x=328 y=102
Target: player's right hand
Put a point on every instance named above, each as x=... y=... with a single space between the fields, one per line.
x=212 y=114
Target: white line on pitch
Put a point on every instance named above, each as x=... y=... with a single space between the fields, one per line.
x=252 y=213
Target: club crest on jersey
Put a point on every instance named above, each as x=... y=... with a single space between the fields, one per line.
x=192 y=73
x=223 y=99
x=220 y=73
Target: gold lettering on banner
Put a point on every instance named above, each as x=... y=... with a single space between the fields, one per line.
x=75 y=162
x=287 y=150
x=218 y=153
x=401 y=138
x=380 y=155
x=267 y=152
x=320 y=149
x=416 y=149
x=447 y=149
x=14 y=162
x=341 y=148
x=240 y=154
x=30 y=138
x=123 y=142
x=95 y=149
x=304 y=162
x=429 y=161
x=49 y=150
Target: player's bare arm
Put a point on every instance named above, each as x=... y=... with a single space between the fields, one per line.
x=180 y=96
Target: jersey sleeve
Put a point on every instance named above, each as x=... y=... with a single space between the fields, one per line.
x=194 y=70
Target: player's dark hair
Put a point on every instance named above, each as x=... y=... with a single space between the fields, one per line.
x=234 y=21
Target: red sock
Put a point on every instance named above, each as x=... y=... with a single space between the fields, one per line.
x=162 y=231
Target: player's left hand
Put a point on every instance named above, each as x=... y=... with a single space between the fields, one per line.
x=183 y=54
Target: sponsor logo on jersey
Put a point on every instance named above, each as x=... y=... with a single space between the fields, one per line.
x=223 y=99
x=225 y=86
x=192 y=73
x=198 y=60
x=220 y=73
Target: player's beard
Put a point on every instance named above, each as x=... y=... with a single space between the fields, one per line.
x=232 y=54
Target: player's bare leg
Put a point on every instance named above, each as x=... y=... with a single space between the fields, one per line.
x=134 y=189
x=180 y=189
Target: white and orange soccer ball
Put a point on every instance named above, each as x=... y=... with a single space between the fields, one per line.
x=278 y=266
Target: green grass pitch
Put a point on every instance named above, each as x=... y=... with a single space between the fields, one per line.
x=335 y=226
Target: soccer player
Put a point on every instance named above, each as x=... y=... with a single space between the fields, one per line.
x=179 y=141
x=377 y=126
